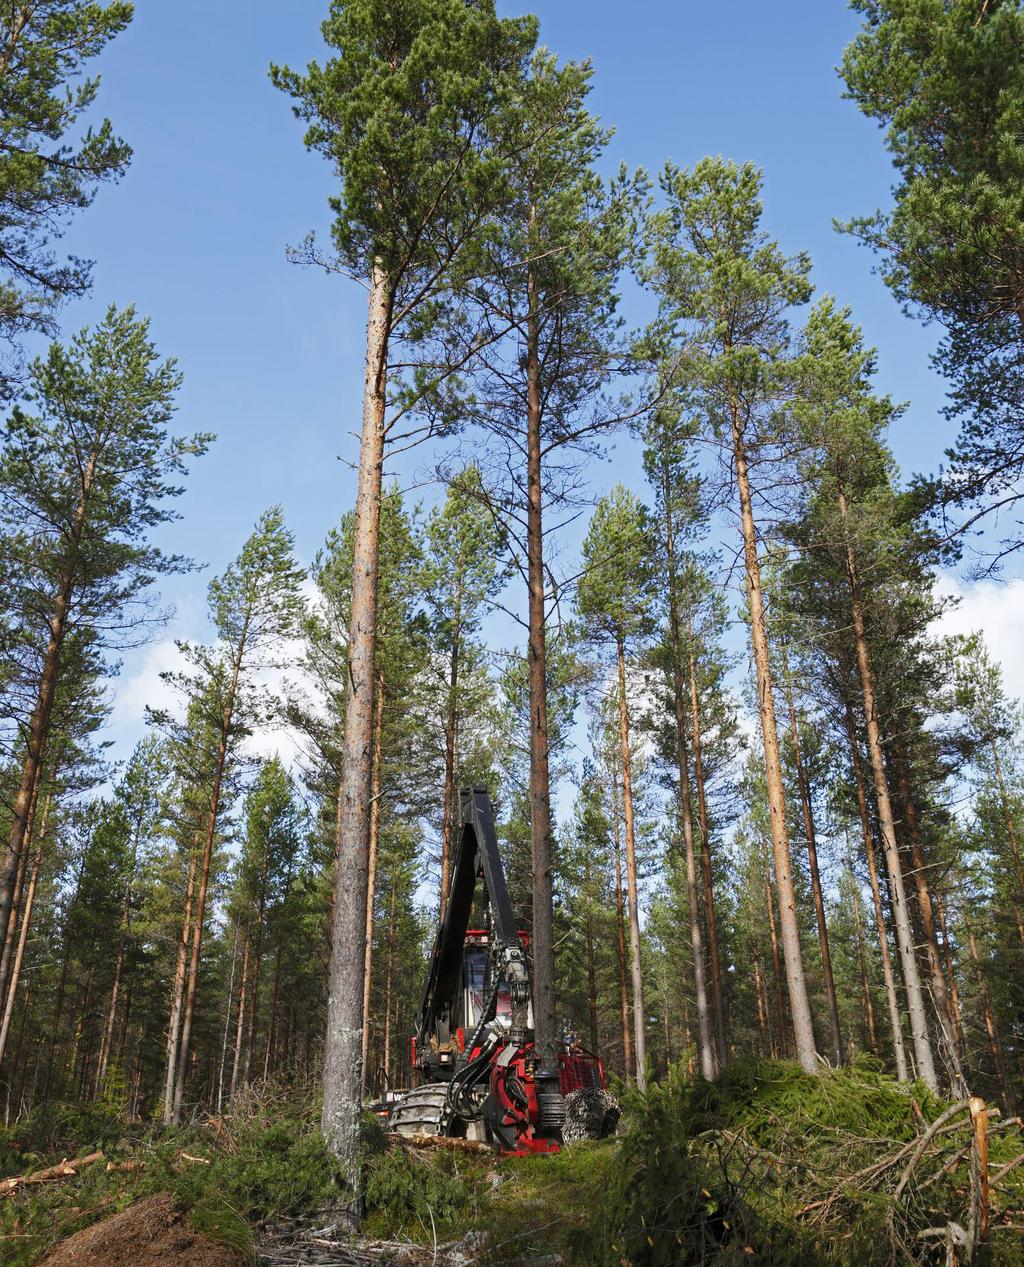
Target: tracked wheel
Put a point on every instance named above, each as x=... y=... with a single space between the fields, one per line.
x=422 y=1111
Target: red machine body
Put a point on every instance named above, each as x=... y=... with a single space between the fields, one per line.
x=474 y=1050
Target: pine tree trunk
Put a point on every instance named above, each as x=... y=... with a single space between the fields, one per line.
x=780 y=1007
x=710 y=923
x=39 y=722
x=995 y=1045
x=545 y=1024
x=945 y=1015
x=1011 y=835
x=595 y=1045
x=204 y=876
x=891 y=997
x=343 y=1073
x=388 y=984
x=635 y=963
x=451 y=719
x=19 y=954
x=796 y=985
x=950 y=974
x=178 y=989
x=227 y=1025
x=620 y=941
x=107 y=1041
x=371 y=872
x=766 y=1047
x=19 y=884
x=812 y=862
x=923 y=1057
x=237 y=1065
x=272 y=1035
x=705 y=1043
x=862 y=962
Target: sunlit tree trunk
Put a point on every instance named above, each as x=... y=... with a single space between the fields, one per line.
x=635 y=963
x=545 y=1024
x=904 y=934
x=343 y=1073
x=796 y=985
x=803 y=787
x=888 y=980
x=371 y=873
x=620 y=928
x=710 y=922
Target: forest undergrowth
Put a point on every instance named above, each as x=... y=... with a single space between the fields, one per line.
x=767 y=1165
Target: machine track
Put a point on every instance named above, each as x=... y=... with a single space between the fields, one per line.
x=422 y=1111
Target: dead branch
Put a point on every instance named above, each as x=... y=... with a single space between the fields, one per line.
x=1003 y=1171
x=63 y=1170
x=924 y=1141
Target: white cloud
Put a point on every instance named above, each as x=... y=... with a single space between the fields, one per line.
x=997 y=612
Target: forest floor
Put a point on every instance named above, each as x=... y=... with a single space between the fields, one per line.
x=766 y=1166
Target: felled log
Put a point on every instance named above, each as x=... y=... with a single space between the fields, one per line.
x=63 y=1170
x=440 y=1141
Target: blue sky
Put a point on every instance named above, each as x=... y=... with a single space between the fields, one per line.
x=195 y=234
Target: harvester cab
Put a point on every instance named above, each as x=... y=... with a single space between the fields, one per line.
x=473 y=1052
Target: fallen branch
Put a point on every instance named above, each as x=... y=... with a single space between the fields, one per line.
x=124 y=1166
x=1003 y=1171
x=63 y=1170
x=199 y=1161
x=923 y=1143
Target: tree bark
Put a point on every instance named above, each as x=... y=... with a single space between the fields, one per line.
x=204 y=875
x=19 y=884
x=371 y=871
x=343 y=1049
x=545 y=1024
x=891 y=997
x=945 y=1014
x=107 y=1041
x=451 y=720
x=705 y=1043
x=178 y=989
x=26 y=921
x=901 y=916
x=810 y=836
x=766 y=1046
x=227 y=1024
x=39 y=722
x=796 y=985
x=780 y=1008
x=1011 y=835
x=238 y=1065
x=710 y=923
x=591 y=980
x=635 y=963
x=620 y=940
x=862 y=963
x=995 y=1045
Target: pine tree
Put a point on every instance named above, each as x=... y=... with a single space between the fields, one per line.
x=947 y=82
x=403 y=116
x=547 y=296
x=49 y=166
x=84 y=479
x=615 y=598
x=253 y=607
x=726 y=288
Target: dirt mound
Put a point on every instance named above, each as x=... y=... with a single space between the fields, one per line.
x=150 y=1233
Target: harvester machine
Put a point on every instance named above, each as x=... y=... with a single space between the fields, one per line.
x=473 y=1055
